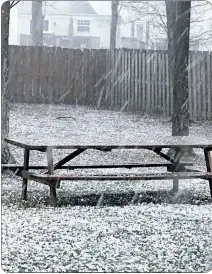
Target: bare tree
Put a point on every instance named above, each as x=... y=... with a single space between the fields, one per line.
x=155 y=12
x=116 y=7
x=5 y=23
x=114 y=21
x=37 y=23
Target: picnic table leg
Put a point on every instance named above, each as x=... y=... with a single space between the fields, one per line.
x=50 y=172
x=208 y=166
x=26 y=167
x=50 y=164
x=175 y=185
x=53 y=195
x=175 y=169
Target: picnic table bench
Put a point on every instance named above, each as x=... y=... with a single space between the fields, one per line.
x=175 y=168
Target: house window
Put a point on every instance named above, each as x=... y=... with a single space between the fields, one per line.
x=45 y=25
x=139 y=32
x=83 y=26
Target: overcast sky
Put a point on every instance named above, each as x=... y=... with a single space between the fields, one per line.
x=102 y=7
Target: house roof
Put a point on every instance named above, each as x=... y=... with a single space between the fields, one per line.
x=81 y=7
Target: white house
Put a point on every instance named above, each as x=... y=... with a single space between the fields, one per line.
x=66 y=21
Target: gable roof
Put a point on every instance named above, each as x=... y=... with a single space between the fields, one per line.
x=82 y=7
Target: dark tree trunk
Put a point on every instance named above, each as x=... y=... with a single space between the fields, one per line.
x=178 y=24
x=114 y=21
x=6 y=156
x=37 y=23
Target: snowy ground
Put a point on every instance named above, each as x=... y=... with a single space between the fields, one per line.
x=161 y=233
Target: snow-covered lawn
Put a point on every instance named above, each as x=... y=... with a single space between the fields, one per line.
x=161 y=233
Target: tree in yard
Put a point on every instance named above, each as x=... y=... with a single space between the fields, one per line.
x=155 y=12
x=37 y=23
x=178 y=22
x=5 y=21
x=114 y=22
x=178 y=25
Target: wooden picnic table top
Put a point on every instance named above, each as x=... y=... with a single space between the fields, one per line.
x=108 y=147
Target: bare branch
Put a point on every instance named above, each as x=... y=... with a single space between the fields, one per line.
x=13 y=3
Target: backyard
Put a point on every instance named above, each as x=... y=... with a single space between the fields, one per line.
x=161 y=232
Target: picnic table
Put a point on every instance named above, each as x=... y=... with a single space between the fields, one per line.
x=176 y=169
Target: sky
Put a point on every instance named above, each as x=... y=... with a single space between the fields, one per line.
x=101 y=7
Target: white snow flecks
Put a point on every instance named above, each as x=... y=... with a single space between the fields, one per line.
x=143 y=238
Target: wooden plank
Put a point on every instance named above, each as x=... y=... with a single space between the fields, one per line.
x=160 y=81
x=211 y=83
x=144 y=80
x=163 y=84
x=64 y=97
x=148 y=90
x=126 y=70
x=53 y=196
x=194 y=85
x=50 y=161
x=13 y=167
x=107 y=147
x=116 y=78
x=198 y=77
x=139 y=81
x=39 y=98
x=204 y=90
x=156 y=81
x=24 y=182
x=50 y=75
x=74 y=69
x=209 y=86
x=112 y=78
x=28 y=73
x=152 y=82
x=13 y=63
x=129 y=91
x=44 y=85
x=16 y=143
x=20 y=82
x=208 y=162
x=121 y=177
x=122 y=86
x=168 y=87
x=133 y=81
x=109 y=75
x=77 y=94
x=70 y=75
x=136 y=81
x=190 y=87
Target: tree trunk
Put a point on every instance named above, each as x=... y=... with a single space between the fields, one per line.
x=114 y=21
x=178 y=24
x=37 y=23
x=6 y=156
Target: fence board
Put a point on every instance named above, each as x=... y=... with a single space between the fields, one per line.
x=144 y=80
x=209 y=86
x=194 y=85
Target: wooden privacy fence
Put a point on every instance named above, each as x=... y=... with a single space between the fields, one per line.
x=130 y=80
